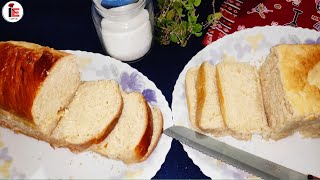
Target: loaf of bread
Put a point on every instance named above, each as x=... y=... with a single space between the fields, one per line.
x=290 y=84
x=130 y=139
x=36 y=84
x=311 y=130
x=91 y=116
x=41 y=96
x=241 y=99
x=281 y=98
x=202 y=99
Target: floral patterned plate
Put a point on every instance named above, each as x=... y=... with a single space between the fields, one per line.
x=251 y=45
x=25 y=157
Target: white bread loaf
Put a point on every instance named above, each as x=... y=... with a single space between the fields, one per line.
x=203 y=100
x=130 y=139
x=36 y=83
x=241 y=99
x=290 y=84
x=41 y=96
x=91 y=116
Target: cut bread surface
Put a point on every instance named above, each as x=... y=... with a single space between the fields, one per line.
x=208 y=113
x=241 y=99
x=289 y=83
x=55 y=94
x=91 y=115
x=202 y=99
x=130 y=139
x=42 y=78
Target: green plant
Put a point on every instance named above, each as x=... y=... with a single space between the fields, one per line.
x=177 y=21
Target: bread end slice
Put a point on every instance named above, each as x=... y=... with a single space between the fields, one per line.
x=130 y=139
x=157 y=131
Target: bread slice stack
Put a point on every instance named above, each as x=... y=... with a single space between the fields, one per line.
x=41 y=96
x=226 y=99
x=202 y=99
x=144 y=131
x=280 y=98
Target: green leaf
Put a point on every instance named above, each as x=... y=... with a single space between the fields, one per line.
x=170 y=14
x=210 y=18
x=197 y=3
x=190 y=2
x=192 y=18
x=217 y=16
x=198 y=34
x=197 y=28
x=188 y=7
x=174 y=38
x=180 y=10
x=184 y=25
x=176 y=5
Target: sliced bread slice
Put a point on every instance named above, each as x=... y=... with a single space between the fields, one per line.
x=241 y=99
x=91 y=116
x=130 y=139
x=191 y=94
x=203 y=100
x=208 y=114
x=157 y=120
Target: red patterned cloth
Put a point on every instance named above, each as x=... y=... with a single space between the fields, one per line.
x=242 y=14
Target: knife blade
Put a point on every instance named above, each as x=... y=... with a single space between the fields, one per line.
x=232 y=155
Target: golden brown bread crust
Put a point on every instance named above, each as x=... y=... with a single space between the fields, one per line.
x=142 y=148
x=295 y=62
x=201 y=93
x=189 y=86
x=24 y=66
x=150 y=149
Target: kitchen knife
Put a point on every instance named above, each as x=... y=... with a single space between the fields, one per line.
x=233 y=156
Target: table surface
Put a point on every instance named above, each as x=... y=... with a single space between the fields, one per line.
x=68 y=25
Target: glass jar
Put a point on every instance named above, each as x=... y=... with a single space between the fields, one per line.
x=125 y=32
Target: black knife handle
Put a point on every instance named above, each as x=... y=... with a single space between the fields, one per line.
x=313 y=177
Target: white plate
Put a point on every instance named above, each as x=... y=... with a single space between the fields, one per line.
x=24 y=157
x=251 y=45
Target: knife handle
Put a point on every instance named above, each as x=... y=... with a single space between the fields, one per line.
x=313 y=177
